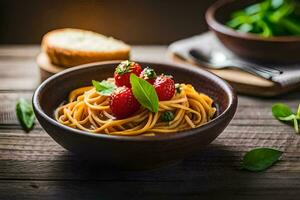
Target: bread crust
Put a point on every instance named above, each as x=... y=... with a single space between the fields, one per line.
x=65 y=57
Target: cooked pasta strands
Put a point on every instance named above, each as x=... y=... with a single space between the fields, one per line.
x=88 y=110
x=149 y=134
x=77 y=92
x=189 y=121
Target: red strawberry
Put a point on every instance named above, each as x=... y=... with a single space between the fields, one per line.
x=123 y=103
x=165 y=87
x=123 y=71
x=148 y=74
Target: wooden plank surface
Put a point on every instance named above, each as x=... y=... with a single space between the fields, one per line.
x=33 y=166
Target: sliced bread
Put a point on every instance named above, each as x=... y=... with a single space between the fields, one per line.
x=71 y=47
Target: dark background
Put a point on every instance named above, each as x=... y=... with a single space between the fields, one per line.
x=134 y=21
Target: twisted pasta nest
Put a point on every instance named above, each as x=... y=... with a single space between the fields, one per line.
x=88 y=110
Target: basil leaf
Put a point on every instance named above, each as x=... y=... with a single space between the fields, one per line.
x=260 y=159
x=105 y=88
x=144 y=92
x=284 y=113
x=277 y=3
x=281 y=110
x=25 y=114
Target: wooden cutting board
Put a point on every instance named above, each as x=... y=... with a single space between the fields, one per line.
x=46 y=68
x=245 y=83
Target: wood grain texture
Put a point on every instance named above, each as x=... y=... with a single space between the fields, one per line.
x=33 y=166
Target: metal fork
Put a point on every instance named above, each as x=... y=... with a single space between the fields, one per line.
x=218 y=60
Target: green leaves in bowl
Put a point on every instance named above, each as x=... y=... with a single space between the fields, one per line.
x=260 y=159
x=283 y=112
x=268 y=18
x=25 y=114
x=144 y=92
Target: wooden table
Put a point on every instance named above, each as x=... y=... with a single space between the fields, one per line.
x=33 y=166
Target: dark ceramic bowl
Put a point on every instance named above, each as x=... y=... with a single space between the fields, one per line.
x=282 y=49
x=132 y=151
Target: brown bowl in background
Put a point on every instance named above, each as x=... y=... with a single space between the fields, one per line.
x=281 y=49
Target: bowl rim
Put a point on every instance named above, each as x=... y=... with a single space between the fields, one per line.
x=217 y=26
x=231 y=108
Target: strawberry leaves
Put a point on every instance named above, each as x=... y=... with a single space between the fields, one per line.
x=123 y=67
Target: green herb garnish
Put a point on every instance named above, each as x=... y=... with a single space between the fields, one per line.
x=144 y=92
x=105 y=88
x=25 y=114
x=260 y=159
x=178 y=88
x=167 y=116
x=268 y=18
x=283 y=112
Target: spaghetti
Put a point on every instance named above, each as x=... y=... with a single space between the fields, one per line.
x=88 y=110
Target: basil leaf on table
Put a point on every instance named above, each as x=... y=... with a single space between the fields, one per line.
x=260 y=159
x=25 y=114
x=105 y=88
x=281 y=110
x=284 y=113
x=144 y=92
